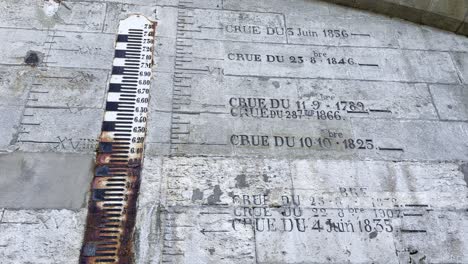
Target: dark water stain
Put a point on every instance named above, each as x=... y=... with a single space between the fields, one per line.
x=27 y=171
x=33 y=58
x=309 y=95
x=216 y=196
x=373 y=234
x=276 y=84
x=241 y=181
x=464 y=170
x=197 y=195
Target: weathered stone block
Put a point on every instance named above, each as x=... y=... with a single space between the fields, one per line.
x=44 y=180
x=451 y=101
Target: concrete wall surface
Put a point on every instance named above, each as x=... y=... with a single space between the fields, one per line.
x=280 y=131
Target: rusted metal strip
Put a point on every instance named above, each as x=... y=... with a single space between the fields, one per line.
x=116 y=183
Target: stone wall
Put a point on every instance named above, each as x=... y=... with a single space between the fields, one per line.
x=304 y=132
x=451 y=15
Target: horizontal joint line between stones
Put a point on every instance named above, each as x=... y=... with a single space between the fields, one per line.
x=337 y=79
x=327 y=46
x=229 y=10
x=58 y=30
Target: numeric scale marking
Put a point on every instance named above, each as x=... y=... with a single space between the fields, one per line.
x=182 y=77
x=114 y=190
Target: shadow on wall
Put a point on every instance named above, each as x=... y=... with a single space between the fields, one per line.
x=449 y=15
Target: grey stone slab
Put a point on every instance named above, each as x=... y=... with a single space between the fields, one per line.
x=212 y=134
x=421 y=140
x=158 y=149
x=41 y=236
x=143 y=2
x=461 y=61
x=278 y=60
x=328 y=211
x=241 y=97
x=379 y=32
x=316 y=30
x=298 y=8
x=341 y=31
x=81 y=50
x=18 y=42
x=445 y=232
x=160 y=116
x=64 y=87
x=308 y=237
x=161 y=92
x=79 y=16
x=209 y=134
x=60 y=129
x=179 y=227
x=332 y=245
x=199 y=181
x=194 y=235
x=451 y=101
x=148 y=234
x=149 y=212
x=10 y=117
x=52 y=87
x=152 y=183
x=44 y=180
x=205 y=4
x=164 y=56
x=167 y=21
x=413 y=36
x=202 y=181
x=194 y=182
x=14 y=84
x=206 y=207
x=230 y=25
x=159 y=127
x=362 y=183
x=392 y=65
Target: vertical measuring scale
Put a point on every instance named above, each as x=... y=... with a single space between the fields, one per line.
x=116 y=182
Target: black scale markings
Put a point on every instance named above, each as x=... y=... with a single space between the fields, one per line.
x=114 y=191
